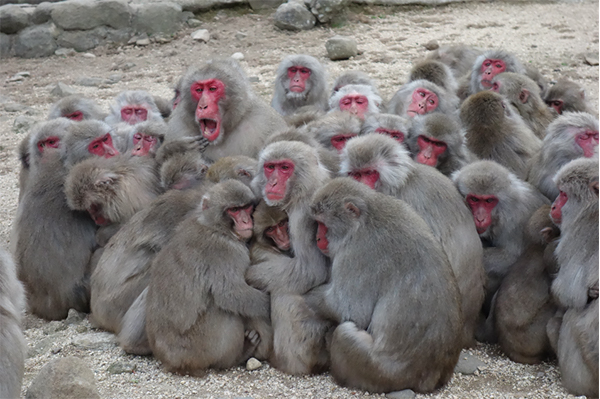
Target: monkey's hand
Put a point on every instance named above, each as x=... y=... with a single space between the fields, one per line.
x=593 y=292
x=180 y=146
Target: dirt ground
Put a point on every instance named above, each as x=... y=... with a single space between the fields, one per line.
x=553 y=37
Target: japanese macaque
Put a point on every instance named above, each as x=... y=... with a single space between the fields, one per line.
x=388 y=272
x=437 y=140
x=12 y=345
x=164 y=106
x=572 y=135
x=289 y=173
x=575 y=288
x=567 y=96
x=534 y=74
x=459 y=58
x=391 y=125
x=204 y=323
x=384 y=165
x=177 y=88
x=237 y=167
x=53 y=244
x=523 y=305
x=488 y=65
x=501 y=205
x=435 y=72
x=183 y=171
x=76 y=108
x=334 y=129
x=219 y=104
x=301 y=81
x=132 y=107
x=25 y=162
x=147 y=138
x=494 y=130
x=92 y=137
x=523 y=94
x=353 y=78
x=271 y=234
x=421 y=97
x=359 y=100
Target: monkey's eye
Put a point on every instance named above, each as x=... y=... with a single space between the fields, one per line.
x=305 y=71
x=422 y=93
x=368 y=172
x=431 y=101
x=473 y=199
x=270 y=229
x=284 y=167
x=293 y=70
x=439 y=144
x=41 y=144
x=128 y=111
x=489 y=200
x=360 y=100
x=96 y=145
x=137 y=136
x=346 y=101
x=270 y=166
x=105 y=138
x=139 y=111
x=51 y=142
x=282 y=223
x=487 y=63
x=498 y=66
x=425 y=139
x=199 y=89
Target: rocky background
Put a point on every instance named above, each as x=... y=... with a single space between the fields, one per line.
x=561 y=39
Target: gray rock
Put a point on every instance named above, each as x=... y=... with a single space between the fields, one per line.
x=54 y=327
x=241 y=35
x=432 y=45
x=13 y=18
x=74 y=317
x=186 y=16
x=142 y=42
x=23 y=124
x=15 y=107
x=294 y=16
x=81 y=329
x=80 y=40
x=341 y=48
x=62 y=90
x=81 y=14
x=98 y=340
x=326 y=10
x=36 y=41
x=201 y=35
x=468 y=364
x=404 y=394
x=194 y=23
x=6 y=45
x=204 y=5
x=237 y=56
x=591 y=59
x=42 y=13
x=65 y=52
x=90 y=82
x=65 y=378
x=119 y=36
x=253 y=364
x=121 y=368
x=156 y=18
x=113 y=78
x=41 y=347
x=265 y=4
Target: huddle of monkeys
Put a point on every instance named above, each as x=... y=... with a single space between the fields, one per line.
x=319 y=233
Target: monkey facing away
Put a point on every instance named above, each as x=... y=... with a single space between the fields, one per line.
x=301 y=81
x=388 y=272
x=76 y=108
x=203 y=321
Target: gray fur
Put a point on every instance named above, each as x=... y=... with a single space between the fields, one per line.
x=375 y=102
x=353 y=78
x=448 y=101
x=570 y=96
x=459 y=58
x=512 y=65
x=70 y=104
x=435 y=72
x=133 y=97
x=154 y=128
x=81 y=134
x=386 y=121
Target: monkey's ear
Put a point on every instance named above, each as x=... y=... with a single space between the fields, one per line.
x=547 y=234
x=205 y=202
x=594 y=188
x=244 y=172
x=523 y=96
x=352 y=209
x=582 y=94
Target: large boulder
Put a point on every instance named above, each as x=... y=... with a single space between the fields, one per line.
x=294 y=16
x=81 y=14
x=42 y=13
x=36 y=41
x=156 y=18
x=13 y=18
x=6 y=45
x=65 y=378
x=326 y=10
x=341 y=47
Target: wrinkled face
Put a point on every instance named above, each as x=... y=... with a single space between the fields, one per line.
x=322 y=242
x=242 y=221
x=557 y=205
x=422 y=102
x=339 y=140
x=279 y=233
x=278 y=174
x=75 y=116
x=368 y=176
x=298 y=77
x=395 y=134
x=133 y=114
x=429 y=150
x=143 y=144
x=588 y=141
x=489 y=69
x=481 y=207
x=48 y=143
x=356 y=104
x=208 y=94
x=103 y=147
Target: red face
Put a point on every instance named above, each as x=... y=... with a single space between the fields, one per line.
x=208 y=93
x=143 y=144
x=133 y=114
x=356 y=104
x=50 y=142
x=366 y=176
x=298 y=75
x=557 y=205
x=279 y=234
x=489 y=69
x=322 y=242
x=423 y=101
x=75 y=116
x=103 y=147
x=339 y=141
x=395 y=134
x=277 y=174
x=588 y=141
x=557 y=105
x=242 y=220
x=481 y=207
x=96 y=213
x=429 y=150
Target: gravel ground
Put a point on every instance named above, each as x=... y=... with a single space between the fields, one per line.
x=553 y=37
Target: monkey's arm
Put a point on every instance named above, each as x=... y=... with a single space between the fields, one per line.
x=179 y=146
x=270 y=274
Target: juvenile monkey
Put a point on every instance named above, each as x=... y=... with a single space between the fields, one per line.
x=421 y=97
x=391 y=125
x=334 y=129
x=567 y=96
x=488 y=65
x=147 y=137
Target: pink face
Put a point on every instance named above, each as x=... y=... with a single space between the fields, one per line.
x=75 y=116
x=50 y=142
x=133 y=114
x=298 y=75
x=277 y=174
x=143 y=144
x=208 y=93
x=356 y=104
x=395 y=134
x=242 y=220
x=588 y=141
x=422 y=102
x=557 y=205
x=103 y=147
x=96 y=214
x=429 y=150
x=322 y=242
x=339 y=141
x=279 y=234
x=557 y=105
x=481 y=207
x=489 y=69
x=370 y=177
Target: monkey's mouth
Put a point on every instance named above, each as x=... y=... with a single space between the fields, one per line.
x=210 y=128
x=486 y=83
x=297 y=88
x=244 y=234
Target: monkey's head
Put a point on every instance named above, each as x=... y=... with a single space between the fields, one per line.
x=271 y=226
x=335 y=129
x=47 y=141
x=147 y=137
x=577 y=182
x=391 y=125
x=484 y=109
x=436 y=136
x=237 y=167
